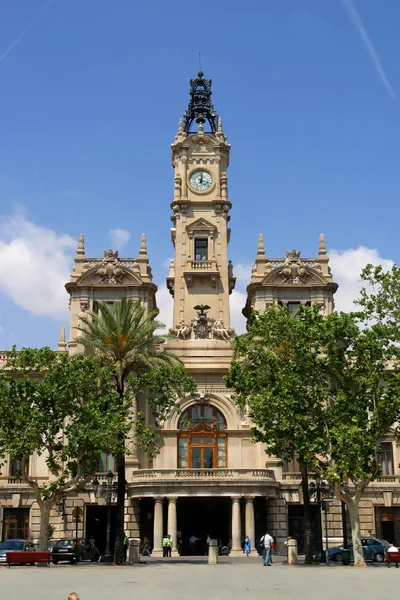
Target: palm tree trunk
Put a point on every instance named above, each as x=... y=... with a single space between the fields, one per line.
x=119 y=524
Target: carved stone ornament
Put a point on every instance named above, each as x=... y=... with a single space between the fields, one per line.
x=220 y=331
x=110 y=269
x=293 y=269
x=181 y=331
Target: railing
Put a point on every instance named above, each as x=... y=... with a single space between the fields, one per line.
x=202 y=265
x=127 y=262
x=388 y=479
x=232 y=474
x=15 y=480
x=278 y=262
x=294 y=476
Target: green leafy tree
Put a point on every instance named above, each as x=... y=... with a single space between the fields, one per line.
x=277 y=374
x=64 y=409
x=125 y=338
x=320 y=389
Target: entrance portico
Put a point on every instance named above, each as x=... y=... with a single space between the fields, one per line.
x=223 y=503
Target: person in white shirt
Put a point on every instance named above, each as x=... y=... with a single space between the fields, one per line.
x=267 y=541
x=392 y=548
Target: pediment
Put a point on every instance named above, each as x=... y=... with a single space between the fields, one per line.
x=303 y=275
x=110 y=274
x=201 y=225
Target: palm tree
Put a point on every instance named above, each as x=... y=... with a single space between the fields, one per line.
x=124 y=337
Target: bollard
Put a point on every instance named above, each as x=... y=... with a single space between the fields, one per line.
x=133 y=557
x=213 y=552
x=292 y=552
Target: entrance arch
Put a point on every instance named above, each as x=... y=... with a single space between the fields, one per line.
x=202 y=438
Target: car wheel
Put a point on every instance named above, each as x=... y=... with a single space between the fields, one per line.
x=379 y=558
x=55 y=562
x=338 y=557
x=95 y=558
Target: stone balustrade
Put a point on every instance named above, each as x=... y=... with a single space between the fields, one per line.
x=196 y=474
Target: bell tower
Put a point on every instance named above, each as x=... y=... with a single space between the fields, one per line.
x=201 y=277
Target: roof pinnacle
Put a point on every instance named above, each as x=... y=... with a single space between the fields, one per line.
x=80 y=249
x=322 y=245
x=260 y=245
x=143 y=245
x=61 y=342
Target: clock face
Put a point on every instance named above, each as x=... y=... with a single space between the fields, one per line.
x=200 y=180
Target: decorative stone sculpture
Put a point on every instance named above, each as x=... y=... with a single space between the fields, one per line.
x=220 y=331
x=181 y=331
x=293 y=269
x=110 y=269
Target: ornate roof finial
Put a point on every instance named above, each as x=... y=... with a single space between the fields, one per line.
x=180 y=128
x=322 y=245
x=200 y=108
x=143 y=245
x=220 y=129
x=81 y=245
x=260 y=246
x=61 y=342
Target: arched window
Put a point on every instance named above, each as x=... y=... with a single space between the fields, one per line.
x=202 y=440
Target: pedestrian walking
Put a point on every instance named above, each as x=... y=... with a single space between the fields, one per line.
x=247 y=545
x=125 y=544
x=266 y=541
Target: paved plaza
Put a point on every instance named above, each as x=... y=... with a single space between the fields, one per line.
x=181 y=579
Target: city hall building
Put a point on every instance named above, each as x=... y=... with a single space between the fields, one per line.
x=209 y=478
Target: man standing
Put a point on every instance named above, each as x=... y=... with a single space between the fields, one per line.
x=267 y=542
x=165 y=546
x=169 y=545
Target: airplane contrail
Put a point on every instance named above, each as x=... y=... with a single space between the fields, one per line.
x=21 y=35
x=355 y=18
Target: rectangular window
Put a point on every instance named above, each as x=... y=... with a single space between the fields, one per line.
x=15 y=523
x=291 y=466
x=200 y=248
x=106 y=463
x=387 y=459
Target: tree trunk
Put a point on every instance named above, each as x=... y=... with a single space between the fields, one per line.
x=44 y=506
x=352 y=503
x=119 y=523
x=307 y=517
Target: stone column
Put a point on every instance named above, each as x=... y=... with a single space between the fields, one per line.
x=158 y=526
x=172 y=523
x=236 y=527
x=250 y=523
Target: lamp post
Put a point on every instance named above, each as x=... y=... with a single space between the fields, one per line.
x=106 y=489
x=321 y=491
x=60 y=508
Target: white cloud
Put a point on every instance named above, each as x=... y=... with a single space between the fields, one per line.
x=165 y=305
x=346 y=266
x=119 y=237
x=35 y=264
x=242 y=272
x=237 y=300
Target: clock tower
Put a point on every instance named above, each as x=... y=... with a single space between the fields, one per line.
x=201 y=277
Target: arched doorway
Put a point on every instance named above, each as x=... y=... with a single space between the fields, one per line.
x=202 y=439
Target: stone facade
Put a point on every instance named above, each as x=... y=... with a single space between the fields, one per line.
x=210 y=467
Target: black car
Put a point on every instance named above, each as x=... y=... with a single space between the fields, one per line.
x=74 y=551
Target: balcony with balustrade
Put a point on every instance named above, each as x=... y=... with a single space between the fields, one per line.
x=146 y=482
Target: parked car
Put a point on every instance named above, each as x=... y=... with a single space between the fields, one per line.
x=374 y=550
x=74 y=551
x=14 y=545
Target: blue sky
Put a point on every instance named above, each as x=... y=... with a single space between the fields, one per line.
x=91 y=97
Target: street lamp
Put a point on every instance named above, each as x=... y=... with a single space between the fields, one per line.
x=106 y=489
x=60 y=508
x=320 y=491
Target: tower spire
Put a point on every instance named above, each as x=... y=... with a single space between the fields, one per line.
x=200 y=108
